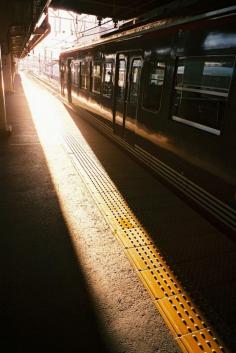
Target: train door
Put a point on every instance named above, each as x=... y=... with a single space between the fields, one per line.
x=131 y=109
x=128 y=72
x=62 y=78
x=68 y=79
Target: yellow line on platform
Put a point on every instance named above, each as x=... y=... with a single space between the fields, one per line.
x=186 y=323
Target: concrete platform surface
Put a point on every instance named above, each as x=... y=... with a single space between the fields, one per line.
x=66 y=285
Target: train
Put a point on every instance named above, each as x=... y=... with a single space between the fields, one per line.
x=166 y=90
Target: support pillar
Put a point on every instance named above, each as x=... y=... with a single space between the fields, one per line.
x=8 y=73
x=5 y=129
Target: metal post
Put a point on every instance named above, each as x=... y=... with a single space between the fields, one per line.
x=39 y=64
x=4 y=128
x=45 y=56
x=51 y=66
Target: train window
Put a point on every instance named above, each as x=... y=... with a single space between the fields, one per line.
x=120 y=94
x=201 y=91
x=74 y=71
x=62 y=70
x=153 y=86
x=84 y=74
x=107 y=80
x=134 y=80
x=96 y=77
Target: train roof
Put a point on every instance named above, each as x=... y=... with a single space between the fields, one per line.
x=138 y=29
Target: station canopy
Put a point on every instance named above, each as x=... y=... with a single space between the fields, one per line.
x=24 y=23
x=127 y=9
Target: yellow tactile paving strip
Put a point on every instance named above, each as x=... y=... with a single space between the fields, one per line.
x=187 y=325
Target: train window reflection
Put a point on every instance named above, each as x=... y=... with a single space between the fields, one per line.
x=96 y=77
x=153 y=86
x=84 y=74
x=121 y=80
x=134 y=80
x=74 y=73
x=107 y=84
x=201 y=91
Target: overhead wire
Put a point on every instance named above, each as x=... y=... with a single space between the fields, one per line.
x=140 y=6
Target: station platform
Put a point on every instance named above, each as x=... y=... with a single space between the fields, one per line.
x=90 y=239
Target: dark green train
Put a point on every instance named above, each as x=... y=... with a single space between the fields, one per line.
x=167 y=91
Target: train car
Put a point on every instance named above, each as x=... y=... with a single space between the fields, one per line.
x=168 y=90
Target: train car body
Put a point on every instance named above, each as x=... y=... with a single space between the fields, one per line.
x=168 y=89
